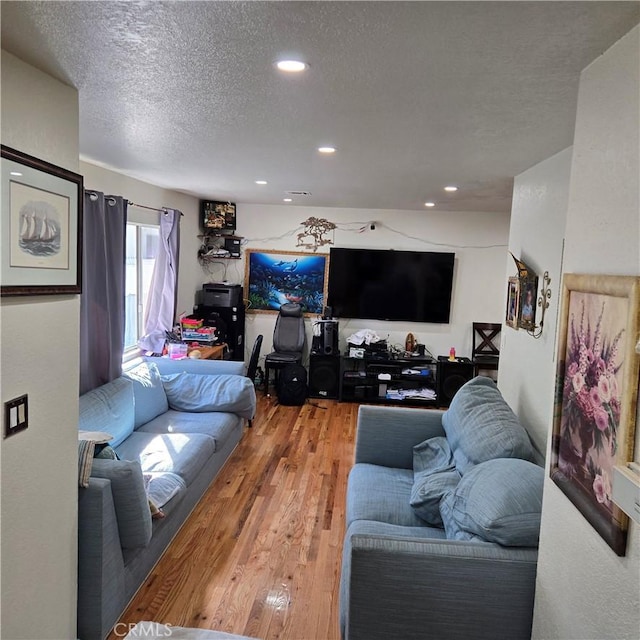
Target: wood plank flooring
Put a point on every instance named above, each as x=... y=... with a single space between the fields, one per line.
x=260 y=554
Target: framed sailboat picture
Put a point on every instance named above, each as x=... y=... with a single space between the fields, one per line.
x=41 y=226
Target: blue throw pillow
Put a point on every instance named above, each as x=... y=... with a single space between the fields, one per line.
x=499 y=501
x=108 y=408
x=200 y=393
x=129 y=499
x=434 y=476
x=481 y=426
x=148 y=392
x=451 y=526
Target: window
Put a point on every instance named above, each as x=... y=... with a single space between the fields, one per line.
x=142 y=249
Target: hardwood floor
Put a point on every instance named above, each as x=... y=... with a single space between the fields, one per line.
x=260 y=554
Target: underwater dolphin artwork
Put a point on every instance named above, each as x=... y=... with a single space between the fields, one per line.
x=275 y=279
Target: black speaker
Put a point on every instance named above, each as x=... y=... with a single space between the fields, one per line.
x=329 y=338
x=451 y=376
x=324 y=376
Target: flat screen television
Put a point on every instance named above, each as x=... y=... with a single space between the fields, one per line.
x=378 y=284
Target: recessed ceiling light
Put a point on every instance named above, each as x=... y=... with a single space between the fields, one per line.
x=287 y=199
x=15 y=173
x=429 y=204
x=291 y=66
x=261 y=182
x=327 y=149
x=451 y=187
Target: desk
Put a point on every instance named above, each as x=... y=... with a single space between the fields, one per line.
x=216 y=352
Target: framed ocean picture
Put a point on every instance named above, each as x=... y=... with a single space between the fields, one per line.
x=273 y=278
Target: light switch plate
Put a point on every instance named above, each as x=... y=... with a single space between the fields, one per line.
x=16 y=415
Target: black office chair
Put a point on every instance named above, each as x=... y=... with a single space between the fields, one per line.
x=252 y=367
x=485 y=353
x=288 y=341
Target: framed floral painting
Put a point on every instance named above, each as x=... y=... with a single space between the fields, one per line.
x=596 y=395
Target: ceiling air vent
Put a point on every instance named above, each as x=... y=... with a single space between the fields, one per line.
x=298 y=193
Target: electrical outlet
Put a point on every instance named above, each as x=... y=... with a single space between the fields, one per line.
x=16 y=415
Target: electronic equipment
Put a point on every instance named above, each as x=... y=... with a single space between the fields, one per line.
x=220 y=294
x=451 y=376
x=232 y=246
x=220 y=305
x=376 y=284
x=325 y=338
x=324 y=376
x=229 y=324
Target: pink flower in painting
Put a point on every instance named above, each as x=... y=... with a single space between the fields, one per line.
x=601 y=418
x=601 y=488
x=591 y=398
x=604 y=389
x=578 y=382
x=594 y=396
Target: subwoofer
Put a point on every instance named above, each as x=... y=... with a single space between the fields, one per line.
x=451 y=376
x=324 y=376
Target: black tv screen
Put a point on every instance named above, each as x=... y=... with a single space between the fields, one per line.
x=377 y=284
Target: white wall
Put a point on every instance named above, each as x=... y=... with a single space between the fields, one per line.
x=538 y=217
x=478 y=276
x=583 y=589
x=479 y=272
x=40 y=358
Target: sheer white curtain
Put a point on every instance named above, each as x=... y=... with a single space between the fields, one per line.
x=103 y=280
x=160 y=312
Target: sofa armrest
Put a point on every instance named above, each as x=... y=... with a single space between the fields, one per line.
x=168 y=366
x=386 y=435
x=101 y=582
x=436 y=589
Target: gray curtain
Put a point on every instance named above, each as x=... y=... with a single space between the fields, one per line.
x=103 y=285
x=161 y=306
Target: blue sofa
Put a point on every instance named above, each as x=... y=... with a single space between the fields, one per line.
x=173 y=425
x=443 y=516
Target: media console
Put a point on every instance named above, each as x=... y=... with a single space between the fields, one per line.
x=412 y=381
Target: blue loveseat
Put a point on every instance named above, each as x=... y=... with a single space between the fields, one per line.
x=173 y=424
x=443 y=516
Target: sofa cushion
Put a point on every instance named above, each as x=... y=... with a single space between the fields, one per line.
x=434 y=475
x=381 y=494
x=129 y=499
x=500 y=501
x=481 y=426
x=217 y=425
x=180 y=453
x=427 y=492
x=150 y=400
x=197 y=393
x=451 y=525
x=108 y=408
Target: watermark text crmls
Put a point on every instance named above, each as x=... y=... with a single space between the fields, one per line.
x=143 y=629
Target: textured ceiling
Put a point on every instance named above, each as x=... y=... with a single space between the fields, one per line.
x=414 y=95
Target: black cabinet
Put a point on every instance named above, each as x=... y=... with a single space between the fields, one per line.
x=403 y=381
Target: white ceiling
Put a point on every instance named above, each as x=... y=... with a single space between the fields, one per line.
x=414 y=95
